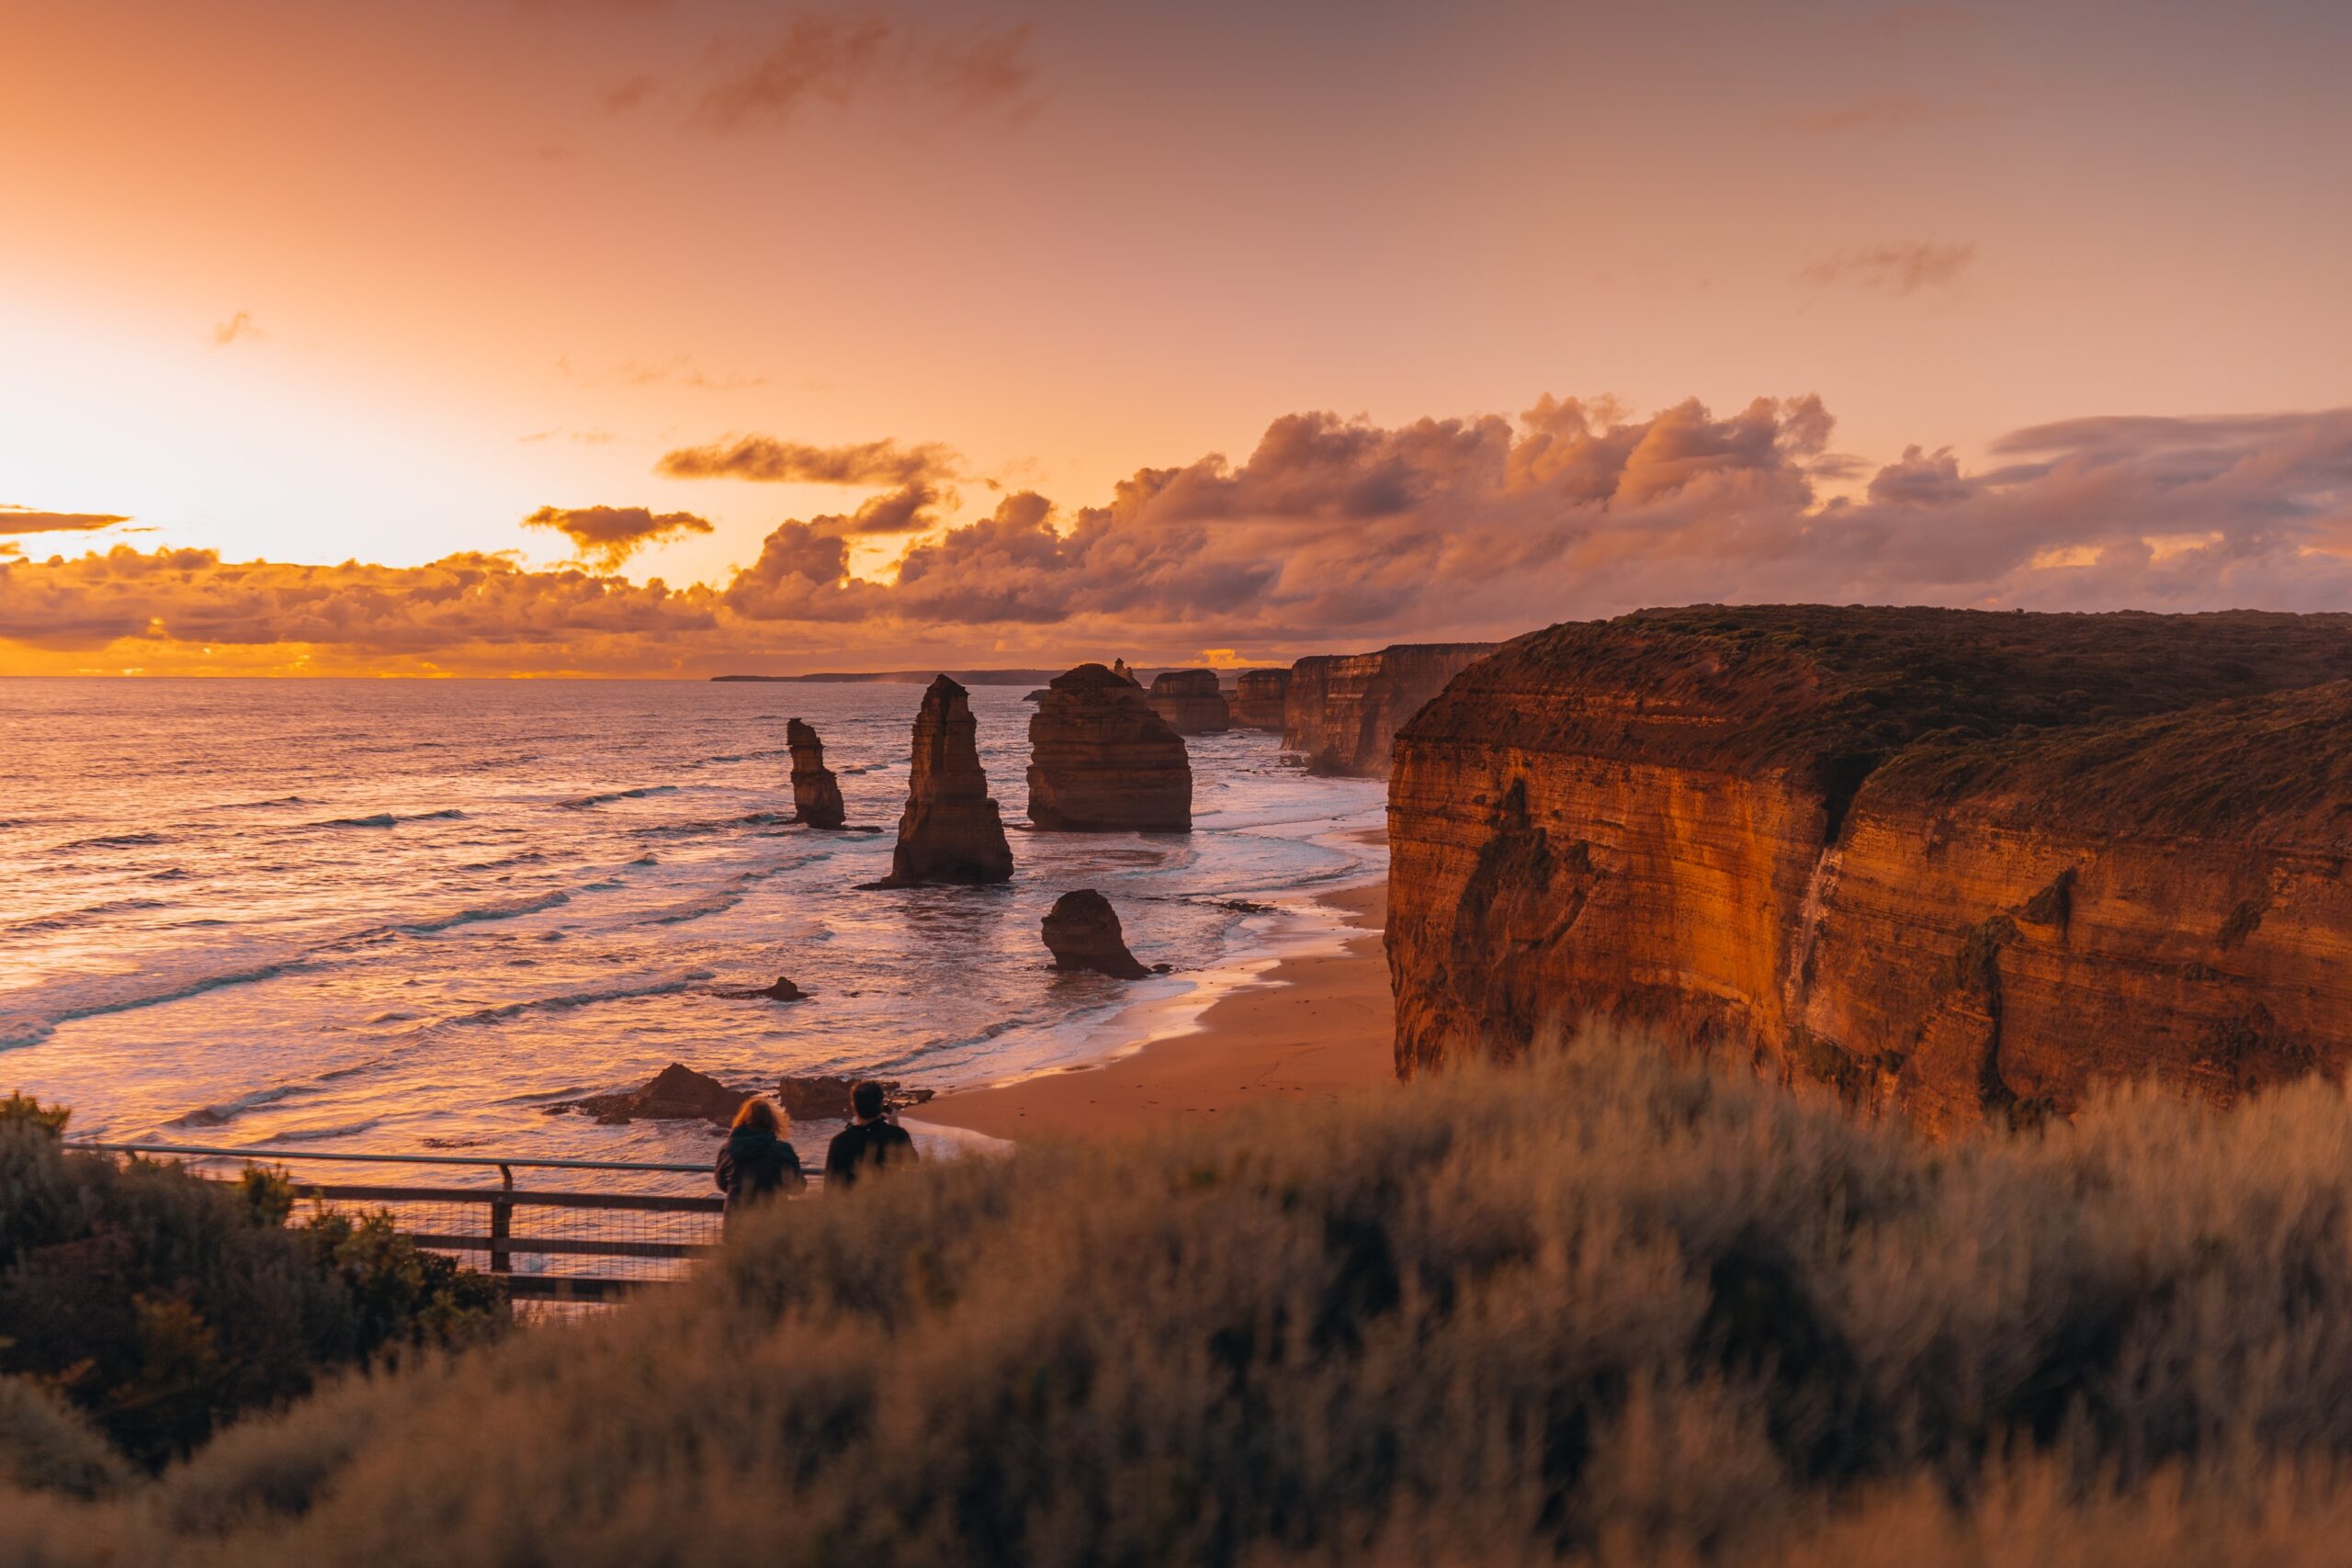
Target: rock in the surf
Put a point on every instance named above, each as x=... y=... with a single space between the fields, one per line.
x=823 y=1096
x=1082 y=932
x=951 y=832
x=1103 y=761
x=677 y=1093
x=1191 y=702
x=783 y=990
x=816 y=794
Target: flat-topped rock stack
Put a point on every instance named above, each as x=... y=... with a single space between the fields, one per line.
x=1103 y=761
x=1259 y=696
x=1954 y=865
x=816 y=794
x=1190 y=701
x=951 y=832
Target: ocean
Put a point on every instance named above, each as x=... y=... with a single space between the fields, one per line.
x=409 y=916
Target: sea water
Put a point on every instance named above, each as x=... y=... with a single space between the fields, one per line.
x=410 y=916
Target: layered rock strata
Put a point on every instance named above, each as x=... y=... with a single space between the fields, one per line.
x=1103 y=761
x=1082 y=932
x=1257 y=699
x=1956 y=865
x=1342 y=711
x=816 y=794
x=1190 y=701
x=951 y=830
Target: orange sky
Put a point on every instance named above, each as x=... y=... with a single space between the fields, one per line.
x=291 y=286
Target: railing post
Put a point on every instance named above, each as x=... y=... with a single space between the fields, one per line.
x=501 y=1222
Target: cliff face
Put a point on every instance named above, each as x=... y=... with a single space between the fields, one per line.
x=816 y=794
x=1190 y=701
x=1342 y=711
x=950 y=831
x=1953 y=864
x=1257 y=699
x=1103 y=761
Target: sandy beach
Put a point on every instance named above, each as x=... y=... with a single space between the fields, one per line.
x=1312 y=1027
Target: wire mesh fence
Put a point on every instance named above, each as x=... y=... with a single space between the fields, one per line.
x=583 y=1244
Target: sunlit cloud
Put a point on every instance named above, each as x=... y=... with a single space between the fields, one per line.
x=763 y=457
x=1896 y=269
x=607 y=535
x=837 y=57
x=239 y=328
x=1330 y=533
x=28 y=520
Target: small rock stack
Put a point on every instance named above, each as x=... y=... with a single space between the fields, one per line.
x=1191 y=702
x=1103 y=761
x=816 y=794
x=1259 y=696
x=1082 y=932
x=951 y=832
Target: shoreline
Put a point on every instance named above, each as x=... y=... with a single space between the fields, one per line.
x=1308 y=1026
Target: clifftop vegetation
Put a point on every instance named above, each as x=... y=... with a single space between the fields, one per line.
x=1601 y=1306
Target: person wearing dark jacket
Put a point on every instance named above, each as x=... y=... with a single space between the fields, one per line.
x=867 y=1142
x=756 y=1164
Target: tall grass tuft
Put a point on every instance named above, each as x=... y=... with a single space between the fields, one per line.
x=1600 y=1306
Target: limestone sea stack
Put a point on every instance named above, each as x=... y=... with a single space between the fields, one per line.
x=1954 y=866
x=1259 y=696
x=951 y=832
x=1082 y=932
x=1342 y=711
x=1191 y=702
x=816 y=794
x=1103 y=761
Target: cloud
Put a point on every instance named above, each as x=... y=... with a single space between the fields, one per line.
x=1876 y=112
x=1896 y=269
x=1330 y=533
x=26 y=520
x=237 y=329
x=838 y=57
x=767 y=459
x=681 y=371
x=624 y=96
x=608 y=535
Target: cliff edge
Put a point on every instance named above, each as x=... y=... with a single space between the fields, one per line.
x=1954 y=864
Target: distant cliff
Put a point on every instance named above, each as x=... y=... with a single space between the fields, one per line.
x=1342 y=711
x=1954 y=864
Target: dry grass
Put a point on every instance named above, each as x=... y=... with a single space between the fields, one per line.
x=1597 y=1306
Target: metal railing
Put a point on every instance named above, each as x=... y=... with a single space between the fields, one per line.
x=545 y=1244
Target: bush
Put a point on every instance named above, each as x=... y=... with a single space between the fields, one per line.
x=160 y=1303
x=1600 y=1307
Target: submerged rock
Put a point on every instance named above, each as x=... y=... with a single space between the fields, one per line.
x=1082 y=932
x=1189 y=701
x=1103 y=761
x=816 y=794
x=677 y=1093
x=951 y=832
x=822 y=1096
x=783 y=990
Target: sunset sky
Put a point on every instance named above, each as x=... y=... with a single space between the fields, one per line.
x=633 y=337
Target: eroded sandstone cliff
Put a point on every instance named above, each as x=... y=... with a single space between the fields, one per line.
x=1190 y=701
x=1954 y=864
x=1259 y=696
x=1103 y=761
x=1342 y=711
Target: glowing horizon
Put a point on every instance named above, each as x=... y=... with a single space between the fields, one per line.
x=329 y=300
